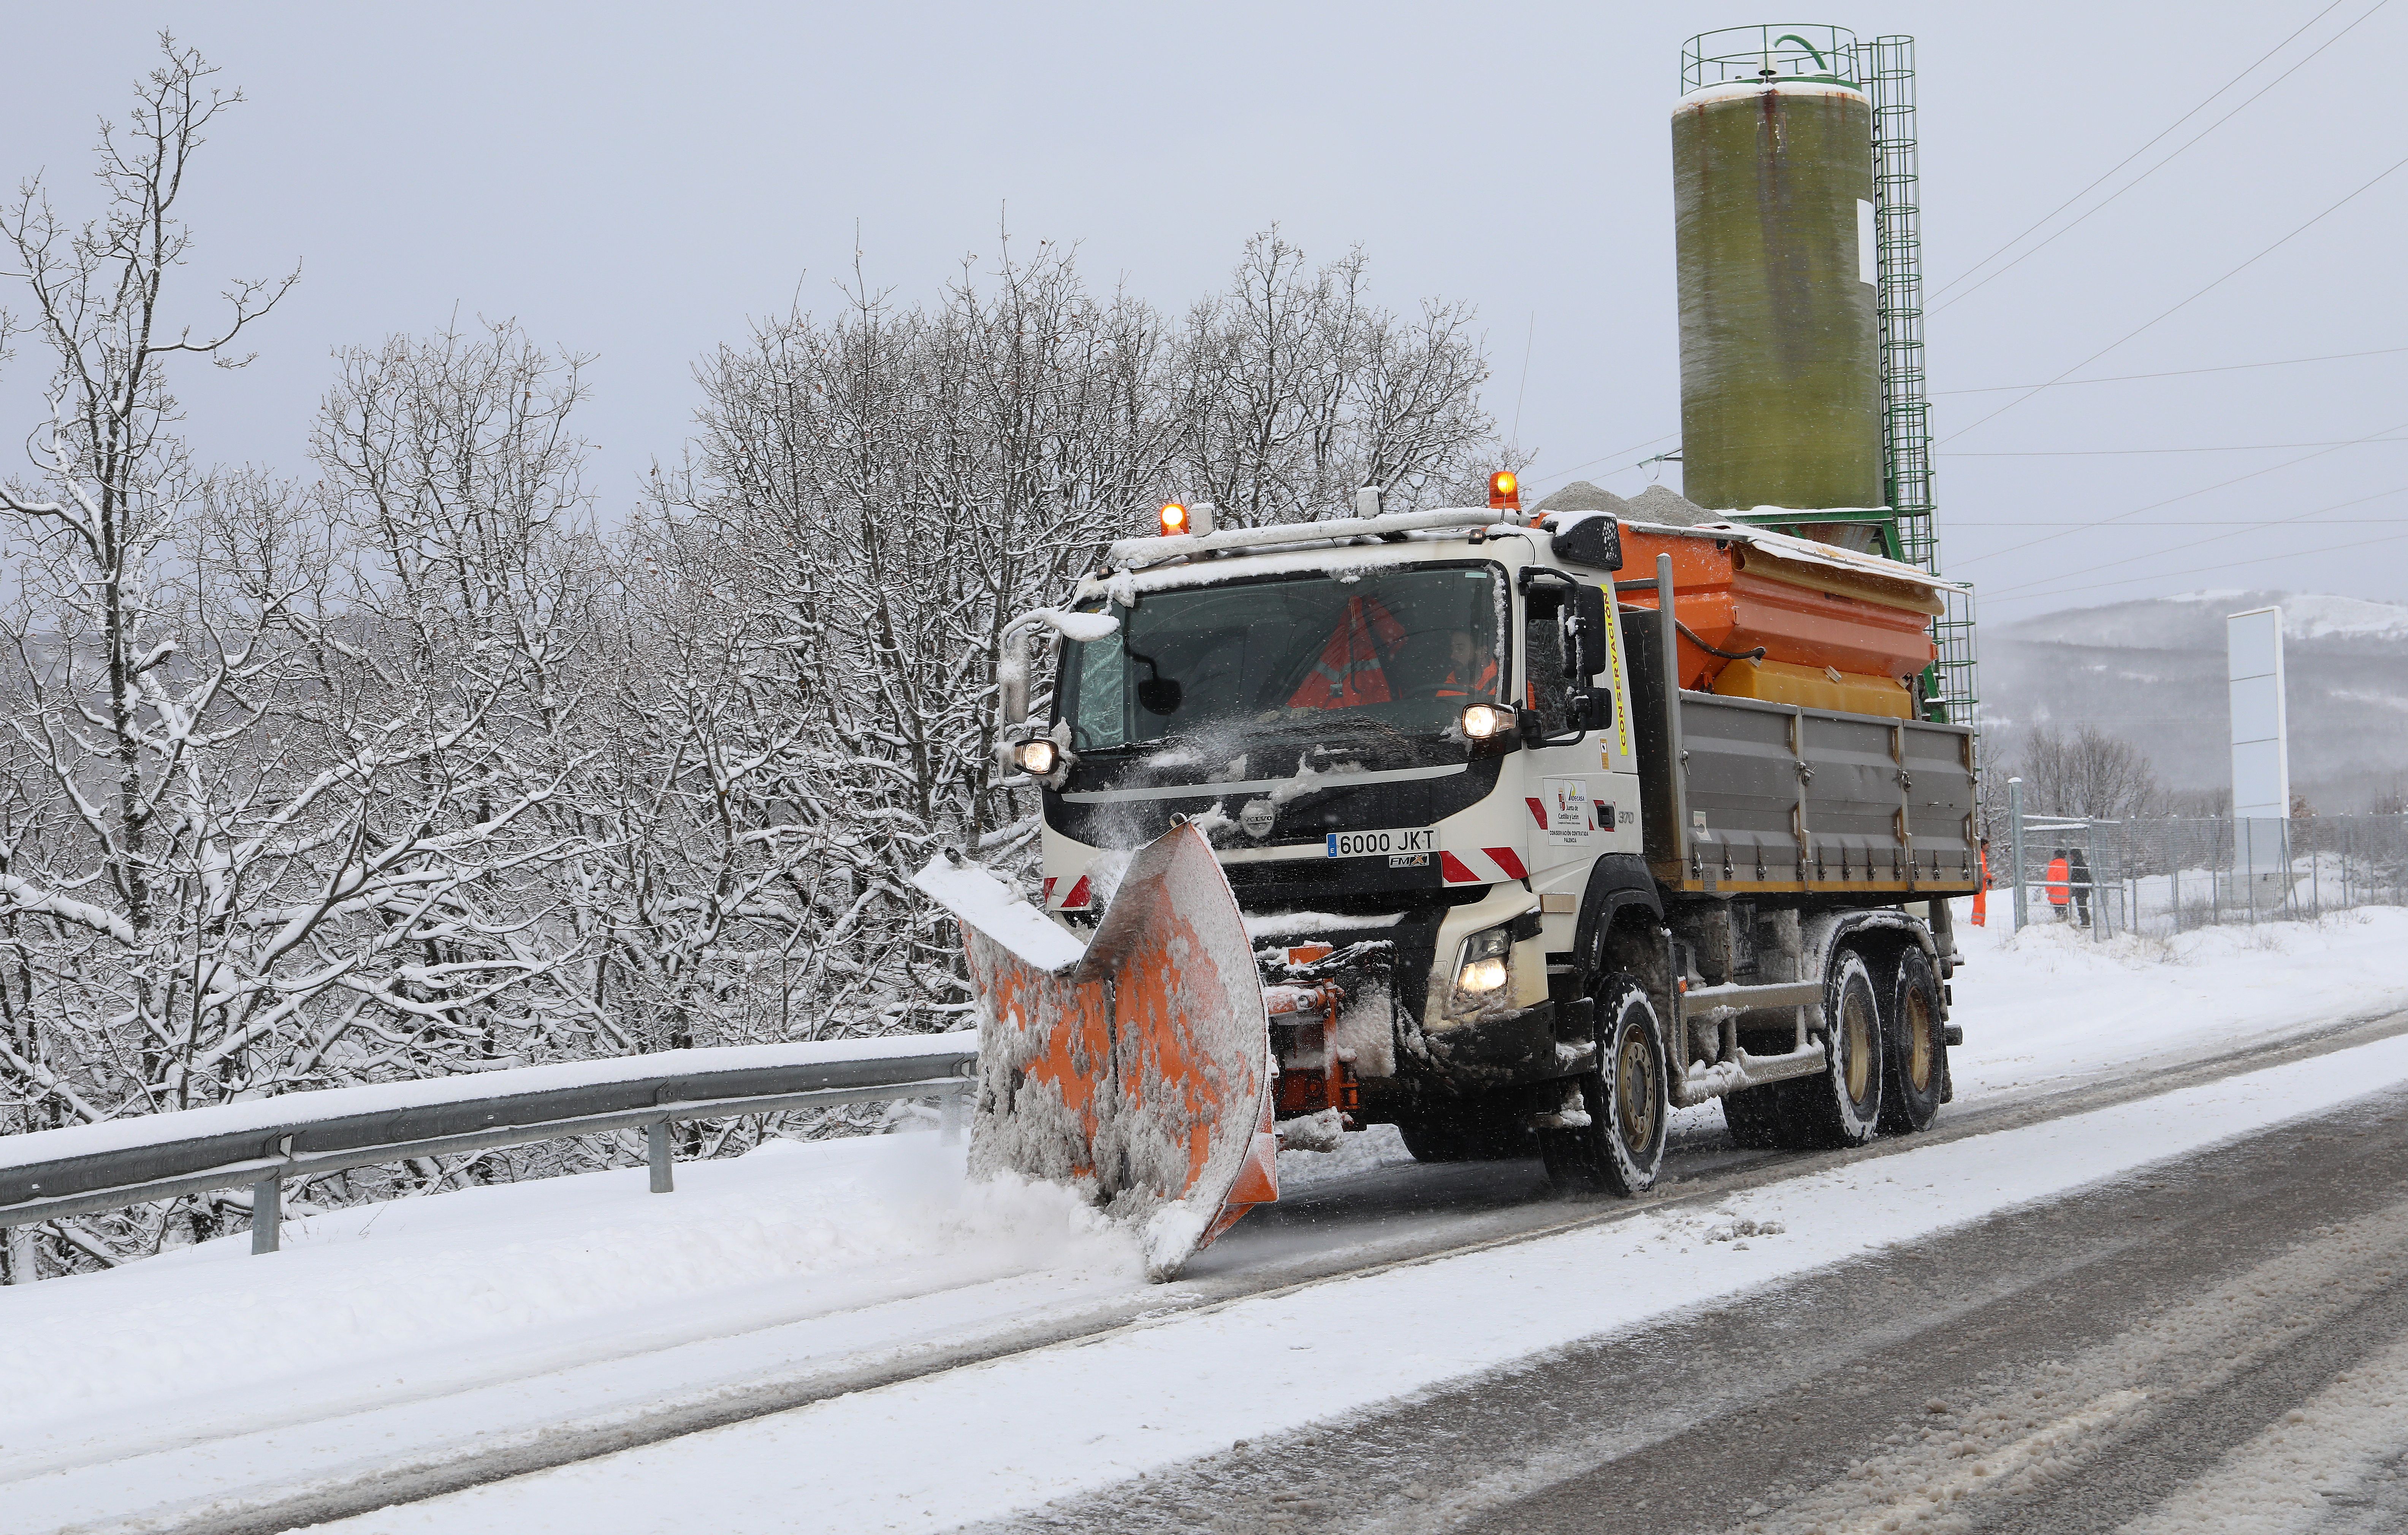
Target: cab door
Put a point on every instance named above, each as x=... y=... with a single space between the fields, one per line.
x=1578 y=779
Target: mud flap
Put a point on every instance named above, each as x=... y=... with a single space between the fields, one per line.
x=1137 y=1068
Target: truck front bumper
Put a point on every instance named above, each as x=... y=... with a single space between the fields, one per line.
x=1511 y=1049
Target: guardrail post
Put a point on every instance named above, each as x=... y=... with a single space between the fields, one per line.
x=656 y=1146
x=25 y=1265
x=267 y=1214
x=953 y=1114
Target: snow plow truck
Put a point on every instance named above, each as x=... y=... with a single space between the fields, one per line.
x=1434 y=819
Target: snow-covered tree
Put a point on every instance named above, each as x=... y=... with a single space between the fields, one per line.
x=2088 y=773
x=426 y=764
x=1295 y=389
x=247 y=850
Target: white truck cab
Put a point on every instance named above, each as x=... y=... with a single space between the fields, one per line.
x=1431 y=768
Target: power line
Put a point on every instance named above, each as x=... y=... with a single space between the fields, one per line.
x=2176 y=373
x=2271 y=469
x=2194 y=570
x=2137 y=153
x=1527 y=340
x=1617 y=453
x=2112 y=452
x=2203 y=292
x=2169 y=159
x=2271 y=522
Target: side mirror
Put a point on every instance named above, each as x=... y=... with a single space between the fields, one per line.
x=1593 y=709
x=1584 y=620
x=1160 y=694
x=1012 y=655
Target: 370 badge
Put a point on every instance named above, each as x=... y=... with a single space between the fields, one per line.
x=1417 y=842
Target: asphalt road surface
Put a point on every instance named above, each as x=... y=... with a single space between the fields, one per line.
x=2222 y=1345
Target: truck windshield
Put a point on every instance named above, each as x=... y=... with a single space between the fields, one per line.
x=1389 y=653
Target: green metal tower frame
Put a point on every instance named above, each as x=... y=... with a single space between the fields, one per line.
x=1950 y=686
x=1906 y=528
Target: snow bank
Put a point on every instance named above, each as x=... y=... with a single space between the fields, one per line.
x=377 y=1302
x=2053 y=1003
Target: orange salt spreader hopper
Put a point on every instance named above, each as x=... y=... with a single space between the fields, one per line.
x=1136 y=1067
x=1837 y=629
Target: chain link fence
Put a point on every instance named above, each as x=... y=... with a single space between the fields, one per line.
x=2171 y=875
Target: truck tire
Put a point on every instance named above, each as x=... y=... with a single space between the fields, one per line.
x=1628 y=1096
x=1465 y=1130
x=1917 y=1041
x=1841 y=1104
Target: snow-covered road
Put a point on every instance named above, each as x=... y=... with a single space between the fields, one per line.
x=436 y=1331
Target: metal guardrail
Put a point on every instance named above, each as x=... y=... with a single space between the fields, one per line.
x=488 y=1112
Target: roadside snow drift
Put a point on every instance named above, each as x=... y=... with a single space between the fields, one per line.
x=379 y=1301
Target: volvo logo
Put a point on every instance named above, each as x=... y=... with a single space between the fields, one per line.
x=1257 y=818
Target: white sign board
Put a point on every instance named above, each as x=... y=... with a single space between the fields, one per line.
x=2262 y=760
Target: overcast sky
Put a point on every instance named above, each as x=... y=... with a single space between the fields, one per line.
x=636 y=183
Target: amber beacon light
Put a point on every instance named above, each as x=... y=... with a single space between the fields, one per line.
x=1174 y=519
x=1504 y=491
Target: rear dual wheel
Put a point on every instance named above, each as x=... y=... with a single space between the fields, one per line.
x=1918 y=1047
x=1627 y=1098
x=1840 y=1105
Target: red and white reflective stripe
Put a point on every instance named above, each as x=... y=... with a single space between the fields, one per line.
x=1077 y=899
x=1470 y=868
x=1051 y=880
x=1510 y=861
x=1537 y=812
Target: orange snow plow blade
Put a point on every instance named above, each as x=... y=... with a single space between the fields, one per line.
x=1136 y=1066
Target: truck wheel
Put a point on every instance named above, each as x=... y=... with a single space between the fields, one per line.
x=1465 y=1130
x=1918 y=1046
x=1841 y=1105
x=1628 y=1096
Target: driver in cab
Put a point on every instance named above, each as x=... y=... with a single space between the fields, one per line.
x=1471 y=672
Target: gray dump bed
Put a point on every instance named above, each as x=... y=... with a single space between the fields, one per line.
x=1741 y=795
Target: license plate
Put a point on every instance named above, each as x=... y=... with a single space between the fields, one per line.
x=1382 y=844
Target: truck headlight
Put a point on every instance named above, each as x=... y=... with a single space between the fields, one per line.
x=1036 y=758
x=1485 y=721
x=1483 y=971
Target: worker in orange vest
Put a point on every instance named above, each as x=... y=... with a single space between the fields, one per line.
x=1982 y=891
x=1473 y=670
x=2060 y=883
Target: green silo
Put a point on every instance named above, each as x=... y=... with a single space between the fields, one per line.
x=1773 y=197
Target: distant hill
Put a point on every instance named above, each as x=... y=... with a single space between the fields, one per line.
x=2152 y=673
